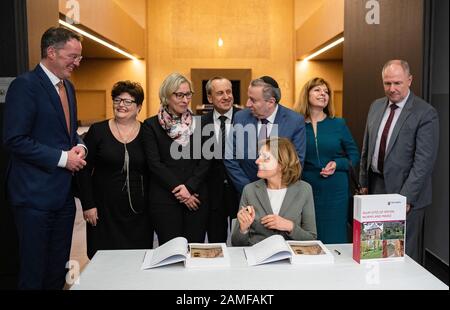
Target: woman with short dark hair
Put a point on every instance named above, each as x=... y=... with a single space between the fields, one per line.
x=114 y=183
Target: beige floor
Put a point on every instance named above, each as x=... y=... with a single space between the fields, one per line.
x=78 y=251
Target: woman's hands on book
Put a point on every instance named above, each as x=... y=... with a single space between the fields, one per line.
x=273 y=221
x=245 y=216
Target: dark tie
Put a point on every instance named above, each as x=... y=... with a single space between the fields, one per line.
x=263 y=131
x=384 y=137
x=222 y=119
x=64 y=103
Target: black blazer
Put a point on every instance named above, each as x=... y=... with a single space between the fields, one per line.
x=217 y=172
x=168 y=172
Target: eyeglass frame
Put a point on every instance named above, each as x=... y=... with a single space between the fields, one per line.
x=76 y=58
x=126 y=102
x=180 y=95
x=73 y=57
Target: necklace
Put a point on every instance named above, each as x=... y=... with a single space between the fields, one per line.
x=130 y=134
x=126 y=164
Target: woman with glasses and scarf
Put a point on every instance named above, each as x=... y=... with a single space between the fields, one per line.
x=178 y=170
x=114 y=184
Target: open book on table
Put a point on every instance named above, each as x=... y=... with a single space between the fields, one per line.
x=192 y=254
x=275 y=248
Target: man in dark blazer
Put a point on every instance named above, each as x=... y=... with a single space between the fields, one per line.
x=263 y=112
x=40 y=132
x=399 y=149
x=223 y=198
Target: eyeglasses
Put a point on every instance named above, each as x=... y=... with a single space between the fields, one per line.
x=76 y=58
x=265 y=156
x=73 y=57
x=126 y=102
x=180 y=95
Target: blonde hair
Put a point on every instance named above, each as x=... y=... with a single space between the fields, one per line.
x=170 y=85
x=302 y=105
x=285 y=153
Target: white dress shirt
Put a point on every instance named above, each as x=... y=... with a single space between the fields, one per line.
x=55 y=80
x=271 y=120
x=216 y=115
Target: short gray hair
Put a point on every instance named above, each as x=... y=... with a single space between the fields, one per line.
x=403 y=63
x=268 y=90
x=208 y=86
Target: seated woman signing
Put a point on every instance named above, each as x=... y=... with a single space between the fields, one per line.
x=278 y=203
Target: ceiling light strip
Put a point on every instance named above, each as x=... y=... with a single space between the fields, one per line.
x=90 y=36
x=326 y=48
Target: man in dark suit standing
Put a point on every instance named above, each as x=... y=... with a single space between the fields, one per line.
x=223 y=198
x=40 y=131
x=399 y=149
x=264 y=117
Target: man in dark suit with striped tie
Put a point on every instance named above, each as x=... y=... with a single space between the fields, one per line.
x=40 y=132
x=223 y=198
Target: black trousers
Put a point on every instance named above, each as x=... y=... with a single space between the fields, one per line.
x=221 y=213
x=45 y=238
x=176 y=220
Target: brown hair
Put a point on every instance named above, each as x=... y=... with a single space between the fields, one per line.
x=285 y=153
x=302 y=105
x=57 y=37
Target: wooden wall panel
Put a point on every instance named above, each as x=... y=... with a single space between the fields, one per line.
x=368 y=46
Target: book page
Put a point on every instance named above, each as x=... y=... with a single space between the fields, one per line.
x=205 y=251
x=307 y=249
x=172 y=251
x=310 y=252
x=271 y=249
x=207 y=255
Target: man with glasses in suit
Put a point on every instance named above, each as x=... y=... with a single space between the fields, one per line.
x=40 y=132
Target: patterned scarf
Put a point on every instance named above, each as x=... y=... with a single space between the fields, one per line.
x=178 y=128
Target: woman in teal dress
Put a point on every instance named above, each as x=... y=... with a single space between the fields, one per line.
x=329 y=150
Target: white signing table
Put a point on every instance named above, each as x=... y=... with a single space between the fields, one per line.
x=121 y=270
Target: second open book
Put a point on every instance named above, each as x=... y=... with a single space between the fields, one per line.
x=275 y=248
x=192 y=254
